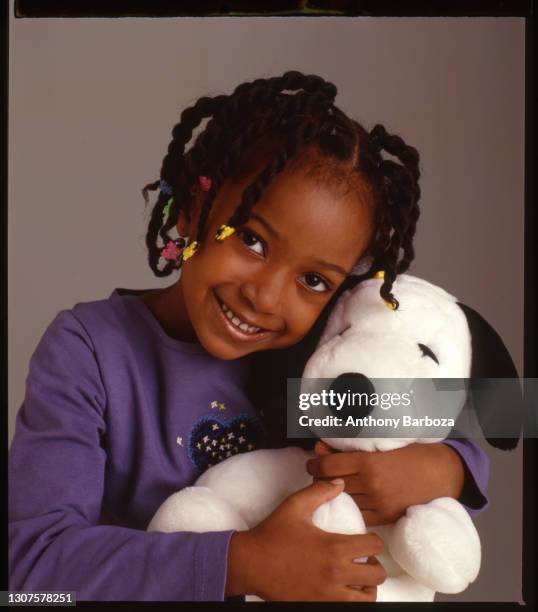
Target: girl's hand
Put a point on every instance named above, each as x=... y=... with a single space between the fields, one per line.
x=287 y=558
x=385 y=484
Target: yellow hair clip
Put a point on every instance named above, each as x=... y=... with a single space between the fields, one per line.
x=190 y=250
x=223 y=232
x=380 y=274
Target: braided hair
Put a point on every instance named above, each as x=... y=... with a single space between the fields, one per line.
x=297 y=112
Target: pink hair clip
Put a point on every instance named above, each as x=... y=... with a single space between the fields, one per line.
x=205 y=183
x=171 y=251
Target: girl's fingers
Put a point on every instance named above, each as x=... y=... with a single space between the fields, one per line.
x=305 y=501
x=361 y=545
x=321 y=448
x=373 y=561
x=352 y=486
x=359 y=482
x=355 y=484
x=332 y=465
x=371 y=518
x=364 y=574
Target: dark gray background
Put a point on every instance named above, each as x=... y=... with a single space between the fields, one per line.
x=92 y=103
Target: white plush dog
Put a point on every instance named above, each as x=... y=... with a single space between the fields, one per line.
x=433 y=547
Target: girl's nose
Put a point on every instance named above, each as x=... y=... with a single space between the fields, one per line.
x=264 y=294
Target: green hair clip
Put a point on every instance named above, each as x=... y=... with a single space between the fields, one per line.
x=166 y=209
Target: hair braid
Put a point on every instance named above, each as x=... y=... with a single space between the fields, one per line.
x=226 y=119
x=171 y=169
x=230 y=163
x=261 y=92
x=254 y=191
x=300 y=135
x=400 y=191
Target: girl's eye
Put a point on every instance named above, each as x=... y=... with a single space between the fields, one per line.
x=252 y=241
x=316 y=283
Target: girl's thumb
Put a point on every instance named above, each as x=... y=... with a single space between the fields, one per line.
x=319 y=492
x=322 y=448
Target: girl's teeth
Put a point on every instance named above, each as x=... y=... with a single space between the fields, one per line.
x=237 y=321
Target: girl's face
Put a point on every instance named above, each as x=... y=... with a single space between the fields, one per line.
x=264 y=286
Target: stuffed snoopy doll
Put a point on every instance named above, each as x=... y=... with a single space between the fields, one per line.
x=433 y=547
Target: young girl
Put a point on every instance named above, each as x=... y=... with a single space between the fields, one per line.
x=130 y=398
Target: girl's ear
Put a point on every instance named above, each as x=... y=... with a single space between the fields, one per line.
x=187 y=222
x=183 y=224
x=494 y=384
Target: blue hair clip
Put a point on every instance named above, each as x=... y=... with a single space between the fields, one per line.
x=165 y=187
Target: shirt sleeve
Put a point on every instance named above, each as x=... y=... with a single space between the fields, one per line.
x=56 y=478
x=476 y=466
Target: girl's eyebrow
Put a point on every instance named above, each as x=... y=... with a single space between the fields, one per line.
x=271 y=230
x=266 y=225
x=331 y=266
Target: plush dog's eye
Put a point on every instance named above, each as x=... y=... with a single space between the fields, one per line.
x=427 y=352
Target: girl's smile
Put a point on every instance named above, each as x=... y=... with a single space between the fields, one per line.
x=238 y=325
x=264 y=286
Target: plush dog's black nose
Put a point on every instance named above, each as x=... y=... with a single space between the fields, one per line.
x=348 y=384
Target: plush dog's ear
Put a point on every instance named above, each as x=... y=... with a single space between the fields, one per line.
x=498 y=405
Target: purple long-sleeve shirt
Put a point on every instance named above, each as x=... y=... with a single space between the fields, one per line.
x=117 y=416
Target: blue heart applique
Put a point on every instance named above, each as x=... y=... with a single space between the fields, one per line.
x=212 y=440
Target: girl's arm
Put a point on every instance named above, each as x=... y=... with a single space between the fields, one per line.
x=57 y=539
x=476 y=474
x=385 y=484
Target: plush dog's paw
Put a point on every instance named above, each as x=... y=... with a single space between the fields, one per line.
x=339 y=515
x=196 y=509
x=403 y=587
x=438 y=545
